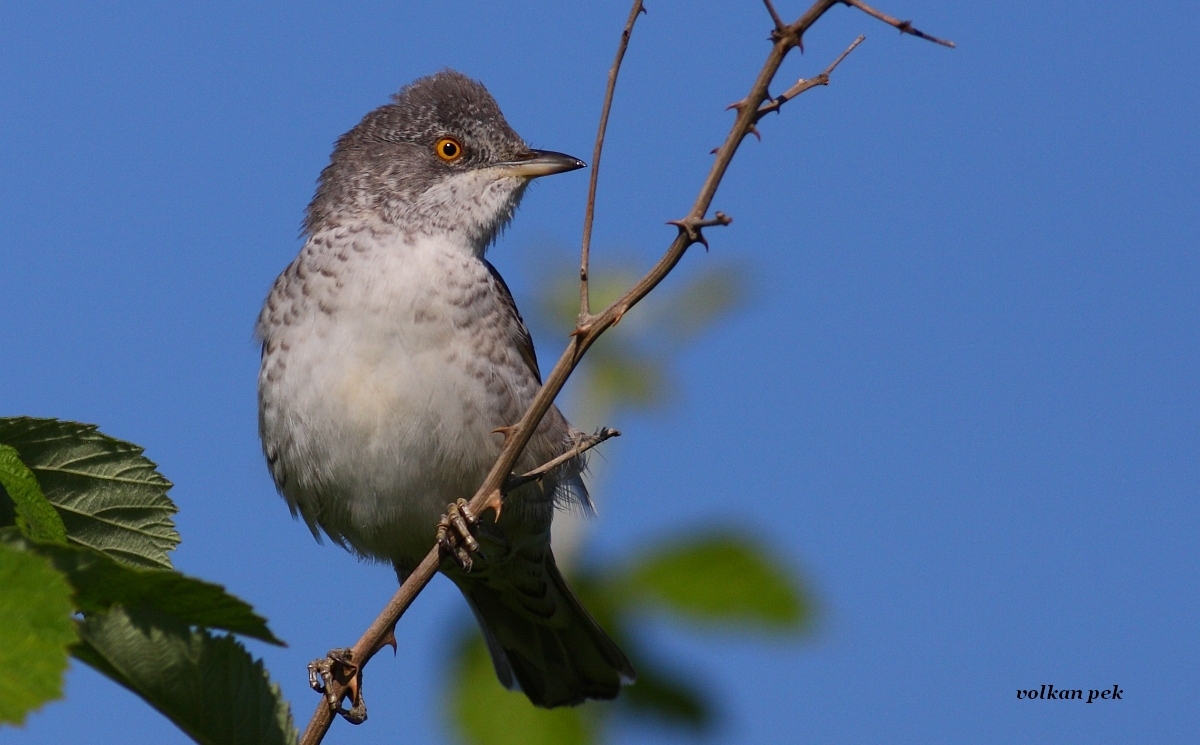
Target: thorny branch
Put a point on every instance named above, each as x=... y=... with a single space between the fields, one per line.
x=803 y=84
x=590 y=326
x=905 y=27
x=584 y=444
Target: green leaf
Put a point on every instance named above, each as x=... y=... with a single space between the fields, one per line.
x=657 y=693
x=209 y=686
x=669 y=698
x=110 y=497
x=35 y=632
x=484 y=713
x=714 y=293
x=557 y=299
x=618 y=379
x=718 y=578
x=35 y=516
x=101 y=582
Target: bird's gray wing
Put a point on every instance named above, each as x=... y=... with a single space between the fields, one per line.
x=569 y=488
x=517 y=326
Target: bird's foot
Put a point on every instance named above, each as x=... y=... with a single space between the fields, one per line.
x=338 y=668
x=454 y=534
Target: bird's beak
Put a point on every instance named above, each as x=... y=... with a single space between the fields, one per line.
x=539 y=163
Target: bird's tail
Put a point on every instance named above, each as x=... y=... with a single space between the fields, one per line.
x=541 y=638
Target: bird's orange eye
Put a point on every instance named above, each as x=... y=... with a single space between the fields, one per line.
x=448 y=149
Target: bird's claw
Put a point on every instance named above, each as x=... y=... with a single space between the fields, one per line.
x=338 y=667
x=454 y=534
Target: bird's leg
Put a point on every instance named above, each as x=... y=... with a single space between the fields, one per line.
x=338 y=667
x=454 y=534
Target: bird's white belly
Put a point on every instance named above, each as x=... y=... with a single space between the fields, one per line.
x=386 y=416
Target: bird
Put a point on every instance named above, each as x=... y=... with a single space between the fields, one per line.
x=394 y=360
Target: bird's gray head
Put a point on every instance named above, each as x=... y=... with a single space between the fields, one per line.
x=438 y=160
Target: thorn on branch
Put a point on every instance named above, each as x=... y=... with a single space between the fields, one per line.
x=506 y=432
x=495 y=501
x=389 y=639
x=738 y=106
x=691 y=226
x=905 y=27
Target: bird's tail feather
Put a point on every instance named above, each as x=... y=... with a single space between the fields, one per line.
x=543 y=640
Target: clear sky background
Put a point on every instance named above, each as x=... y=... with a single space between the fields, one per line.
x=961 y=400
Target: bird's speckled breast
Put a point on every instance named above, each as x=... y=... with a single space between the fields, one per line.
x=388 y=361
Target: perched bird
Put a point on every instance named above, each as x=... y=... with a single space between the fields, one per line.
x=393 y=357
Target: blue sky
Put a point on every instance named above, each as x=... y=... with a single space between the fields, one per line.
x=962 y=399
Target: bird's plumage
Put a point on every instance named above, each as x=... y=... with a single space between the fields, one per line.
x=392 y=350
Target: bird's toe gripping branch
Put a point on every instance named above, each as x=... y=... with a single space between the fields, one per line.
x=455 y=535
x=337 y=671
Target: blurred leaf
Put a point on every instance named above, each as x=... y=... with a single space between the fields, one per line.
x=595 y=591
x=614 y=380
x=715 y=292
x=101 y=582
x=671 y=312
x=209 y=686
x=110 y=497
x=484 y=713
x=35 y=631
x=668 y=698
x=33 y=513
x=630 y=366
x=557 y=302
x=606 y=288
x=718 y=578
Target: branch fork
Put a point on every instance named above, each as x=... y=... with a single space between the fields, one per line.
x=803 y=84
x=780 y=27
x=690 y=226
